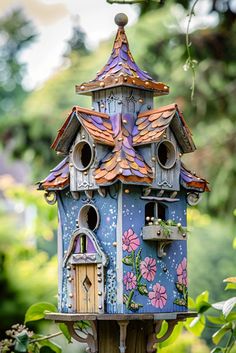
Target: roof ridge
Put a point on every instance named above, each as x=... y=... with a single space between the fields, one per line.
x=158 y=110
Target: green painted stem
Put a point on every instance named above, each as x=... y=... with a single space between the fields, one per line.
x=129 y=299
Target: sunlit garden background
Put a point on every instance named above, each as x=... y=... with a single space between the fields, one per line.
x=33 y=108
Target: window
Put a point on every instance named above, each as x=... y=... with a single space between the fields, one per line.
x=88 y=217
x=166 y=154
x=150 y=211
x=82 y=155
x=154 y=210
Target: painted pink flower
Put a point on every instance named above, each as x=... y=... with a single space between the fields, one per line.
x=158 y=296
x=130 y=241
x=130 y=280
x=182 y=272
x=148 y=268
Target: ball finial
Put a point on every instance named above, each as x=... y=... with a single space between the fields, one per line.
x=121 y=19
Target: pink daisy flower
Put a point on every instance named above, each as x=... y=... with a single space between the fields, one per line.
x=182 y=272
x=130 y=241
x=148 y=268
x=158 y=296
x=130 y=280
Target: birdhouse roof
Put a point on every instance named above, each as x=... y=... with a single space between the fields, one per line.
x=123 y=132
x=152 y=124
x=121 y=70
x=191 y=181
x=58 y=178
x=98 y=125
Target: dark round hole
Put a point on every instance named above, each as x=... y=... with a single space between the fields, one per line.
x=166 y=154
x=82 y=155
x=88 y=217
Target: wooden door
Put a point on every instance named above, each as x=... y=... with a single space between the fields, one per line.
x=86 y=288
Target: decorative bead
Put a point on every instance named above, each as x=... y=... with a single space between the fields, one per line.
x=99 y=293
x=85 y=173
x=159 y=232
x=147 y=218
x=82 y=88
x=99 y=274
x=99 y=266
x=116 y=80
x=68 y=268
x=70 y=306
x=153 y=159
x=133 y=81
x=120 y=139
x=102 y=105
x=124 y=121
x=99 y=280
x=165 y=87
x=146 y=83
x=125 y=78
x=119 y=102
x=126 y=191
x=140 y=100
x=121 y=19
x=100 y=307
x=184 y=235
x=70 y=279
x=114 y=243
x=165 y=269
x=102 y=84
x=71 y=164
x=71 y=295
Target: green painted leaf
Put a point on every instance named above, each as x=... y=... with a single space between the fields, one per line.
x=203 y=306
x=37 y=311
x=218 y=335
x=142 y=288
x=137 y=262
x=228 y=306
x=181 y=287
x=135 y=306
x=21 y=344
x=128 y=260
x=51 y=346
x=180 y=302
x=65 y=331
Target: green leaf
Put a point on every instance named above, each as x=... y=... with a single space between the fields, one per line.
x=217 y=350
x=128 y=260
x=217 y=320
x=65 y=331
x=228 y=306
x=196 y=325
x=234 y=243
x=204 y=296
x=218 y=335
x=191 y=303
x=231 y=317
x=230 y=286
x=202 y=302
x=164 y=328
x=173 y=337
x=51 y=345
x=21 y=344
x=37 y=311
x=82 y=324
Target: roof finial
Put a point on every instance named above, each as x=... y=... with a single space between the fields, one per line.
x=121 y=19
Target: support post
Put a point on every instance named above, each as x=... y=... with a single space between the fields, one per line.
x=123 y=332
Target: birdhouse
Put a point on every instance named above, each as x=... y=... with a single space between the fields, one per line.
x=122 y=194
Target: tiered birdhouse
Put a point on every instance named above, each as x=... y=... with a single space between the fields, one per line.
x=122 y=193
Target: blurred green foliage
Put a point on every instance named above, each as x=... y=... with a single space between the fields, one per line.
x=29 y=122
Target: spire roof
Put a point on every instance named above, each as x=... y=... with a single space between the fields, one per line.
x=121 y=69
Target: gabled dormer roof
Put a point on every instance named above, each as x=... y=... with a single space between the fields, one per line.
x=98 y=126
x=152 y=124
x=121 y=69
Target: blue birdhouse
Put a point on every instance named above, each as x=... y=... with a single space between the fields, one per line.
x=122 y=194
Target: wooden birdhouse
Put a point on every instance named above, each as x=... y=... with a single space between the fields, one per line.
x=122 y=193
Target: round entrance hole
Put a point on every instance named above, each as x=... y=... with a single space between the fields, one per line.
x=82 y=155
x=88 y=217
x=166 y=154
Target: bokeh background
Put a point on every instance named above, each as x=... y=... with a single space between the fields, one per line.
x=48 y=46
